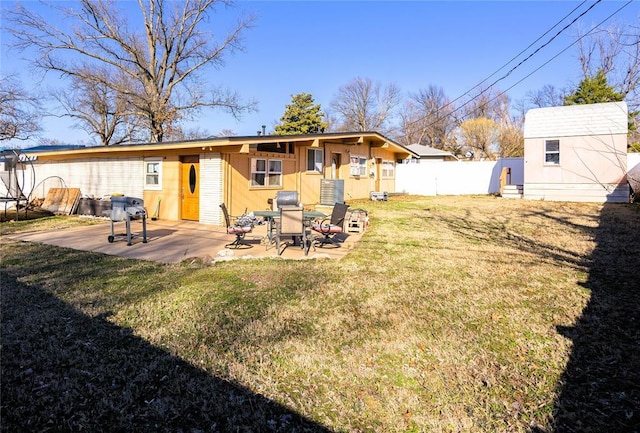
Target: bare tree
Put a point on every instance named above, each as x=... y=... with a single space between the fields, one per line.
x=193 y=133
x=489 y=130
x=614 y=51
x=162 y=63
x=427 y=118
x=510 y=140
x=547 y=96
x=510 y=128
x=411 y=123
x=363 y=105
x=480 y=134
x=485 y=103
x=100 y=111
x=19 y=111
x=331 y=120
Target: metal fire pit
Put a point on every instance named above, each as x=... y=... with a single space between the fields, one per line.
x=125 y=209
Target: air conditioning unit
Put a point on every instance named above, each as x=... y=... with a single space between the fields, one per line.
x=331 y=191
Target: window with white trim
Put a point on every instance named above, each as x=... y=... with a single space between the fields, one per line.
x=358 y=166
x=266 y=172
x=388 y=168
x=153 y=173
x=315 y=160
x=552 y=152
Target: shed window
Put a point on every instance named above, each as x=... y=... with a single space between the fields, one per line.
x=266 y=172
x=552 y=152
x=315 y=160
x=153 y=173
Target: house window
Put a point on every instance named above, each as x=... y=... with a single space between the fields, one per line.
x=315 y=160
x=358 y=166
x=266 y=172
x=153 y=173
x=388 y=169
x=552 y=152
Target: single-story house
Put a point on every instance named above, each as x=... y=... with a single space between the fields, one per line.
x=576 y=153
x=428 y=154
x=190 y=179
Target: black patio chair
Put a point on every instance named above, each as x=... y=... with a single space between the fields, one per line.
x=330 y=227
x=240 y=230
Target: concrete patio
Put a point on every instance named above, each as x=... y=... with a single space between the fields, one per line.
x=174 y=242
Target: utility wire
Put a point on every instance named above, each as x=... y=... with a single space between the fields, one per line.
x=522 y=52
x=526 y=59
x=561 y=52
x=546 y=44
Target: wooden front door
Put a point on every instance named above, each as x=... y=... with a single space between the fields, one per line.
x=335 y=166
x=190 y=189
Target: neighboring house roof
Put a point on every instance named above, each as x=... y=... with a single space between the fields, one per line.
x=577 y=120
x=54 y=147
x=429 y=152
x=237 y=144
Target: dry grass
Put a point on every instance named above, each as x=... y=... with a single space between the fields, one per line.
x=451 y=314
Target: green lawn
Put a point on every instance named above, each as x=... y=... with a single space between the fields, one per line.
x=451 y=314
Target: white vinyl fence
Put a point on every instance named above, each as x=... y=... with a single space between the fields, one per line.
x=456 y=177
x=633 y=159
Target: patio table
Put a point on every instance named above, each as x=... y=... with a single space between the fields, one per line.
x=271 y=215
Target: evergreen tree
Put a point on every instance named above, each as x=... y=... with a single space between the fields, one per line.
x=594 y=90
x=302 y=116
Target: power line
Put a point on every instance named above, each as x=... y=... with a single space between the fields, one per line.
x=523 y=51
x=562 y=51
x=547 y=43
x=526 y=59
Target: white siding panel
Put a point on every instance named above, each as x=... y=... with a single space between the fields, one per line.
x=211 y=188
x=95 y=176
x=606 y=193
x=576 y=120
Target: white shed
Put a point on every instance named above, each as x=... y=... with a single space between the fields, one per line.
x=576 y=153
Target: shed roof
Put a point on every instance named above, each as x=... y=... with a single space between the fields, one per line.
x=577 y=120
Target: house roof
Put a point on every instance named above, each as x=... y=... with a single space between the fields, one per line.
x=240 y=144
x=53 y=147
x=577 y=120
x=427 y=151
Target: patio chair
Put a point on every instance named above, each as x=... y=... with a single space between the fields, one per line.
x=240 y=230
x=330 y=227
x=292 y=224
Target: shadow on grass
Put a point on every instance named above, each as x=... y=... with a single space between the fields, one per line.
x=600 y=388
x=65 y=371
x=496 y=232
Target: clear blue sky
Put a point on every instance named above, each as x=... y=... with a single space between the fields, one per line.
x=318 y=46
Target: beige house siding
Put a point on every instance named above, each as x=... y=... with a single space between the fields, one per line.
x=224 y=165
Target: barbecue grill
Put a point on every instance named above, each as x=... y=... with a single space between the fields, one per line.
x=286 y=198
x=125 y=209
